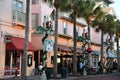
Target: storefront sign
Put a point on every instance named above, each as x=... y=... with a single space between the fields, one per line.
x=7 y=38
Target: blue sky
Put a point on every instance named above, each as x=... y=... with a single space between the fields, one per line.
x=116 y=7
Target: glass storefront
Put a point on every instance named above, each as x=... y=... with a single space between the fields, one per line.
x=12 y=63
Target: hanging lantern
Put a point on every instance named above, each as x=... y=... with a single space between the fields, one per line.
x=89 y=50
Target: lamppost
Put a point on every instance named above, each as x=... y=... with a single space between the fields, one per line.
x=85 y=39
x=48 y=44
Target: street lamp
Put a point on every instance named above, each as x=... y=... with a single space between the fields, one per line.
x=48 y=44
x=85 y=39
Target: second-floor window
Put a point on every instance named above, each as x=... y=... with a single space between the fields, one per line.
x=64 y=27
x=35 y=1
x=34 y=20
x=77 y=31
x=18 y=5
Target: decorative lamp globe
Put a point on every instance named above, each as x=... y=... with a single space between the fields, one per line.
x=89 y=50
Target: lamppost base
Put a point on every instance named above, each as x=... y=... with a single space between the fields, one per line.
x=84 y=72
x=43 y=76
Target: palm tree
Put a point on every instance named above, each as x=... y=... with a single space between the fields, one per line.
x=106 y=24
x=99 y=24
x=110 y=27
x=71 y=6
x=65 y=6
x=74 y=8
x=88 y=14
x=117 y=40
x=24 y=60
x=77 y=8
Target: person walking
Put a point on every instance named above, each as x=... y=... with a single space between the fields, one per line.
x=115 y=65
x=40 y=67
x=81 y=68
x=100 y=68
x=109 y=65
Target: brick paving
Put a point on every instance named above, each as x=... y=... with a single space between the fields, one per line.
x=113 y=76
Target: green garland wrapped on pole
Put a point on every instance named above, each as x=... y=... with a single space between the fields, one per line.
x=85 y=39
x=48 y=45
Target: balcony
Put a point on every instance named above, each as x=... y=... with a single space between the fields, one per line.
x=18 y=18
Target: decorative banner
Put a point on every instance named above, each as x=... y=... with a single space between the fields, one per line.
x=48 y=45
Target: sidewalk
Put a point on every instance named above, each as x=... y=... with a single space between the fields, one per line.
x=87 y=76
x=67 y=78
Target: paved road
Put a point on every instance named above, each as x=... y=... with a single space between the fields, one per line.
x=100 y=77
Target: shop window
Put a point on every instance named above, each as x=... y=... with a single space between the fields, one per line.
x=7 y=59
x=15 y=58
x=95 y=61
x=52 y=60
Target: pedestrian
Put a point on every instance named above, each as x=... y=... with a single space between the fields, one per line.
x=109 y=65
x=100 y=70
x=115 y=65
x=81 y=68
x=40 y=67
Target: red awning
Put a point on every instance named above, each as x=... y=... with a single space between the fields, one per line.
x=78 y=50
x=18 y=44
x=64 y=48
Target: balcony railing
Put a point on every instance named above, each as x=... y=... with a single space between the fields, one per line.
x=18 y=17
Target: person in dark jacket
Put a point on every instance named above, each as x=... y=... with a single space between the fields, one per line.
x=100 y=70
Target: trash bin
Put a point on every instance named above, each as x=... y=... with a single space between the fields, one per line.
x=48 y=73
x=64 y=72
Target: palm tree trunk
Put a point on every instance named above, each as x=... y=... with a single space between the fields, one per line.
x=102 y=33
x=118 y=54
x=75 y=44
x=55 y=46
x=89 y=45
x=24 y=60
